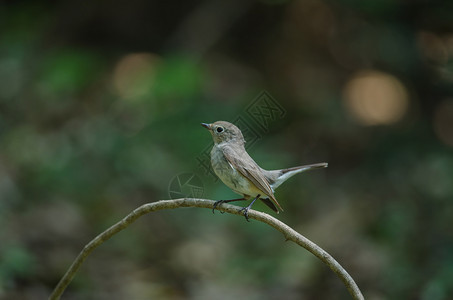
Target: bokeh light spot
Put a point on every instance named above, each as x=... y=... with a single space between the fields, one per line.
x=375 y=98
x=443 y=122
x=134 y=75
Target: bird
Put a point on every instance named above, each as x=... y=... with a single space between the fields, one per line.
x=237 y=170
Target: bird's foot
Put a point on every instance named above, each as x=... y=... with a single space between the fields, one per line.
x=245 y=210
x=217 y=203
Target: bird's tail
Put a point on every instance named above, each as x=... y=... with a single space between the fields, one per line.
x=304 y=168
x=287 y=173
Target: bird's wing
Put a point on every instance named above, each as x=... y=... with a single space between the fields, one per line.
x=250 y=170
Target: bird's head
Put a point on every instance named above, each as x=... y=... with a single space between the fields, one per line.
x=223 y=131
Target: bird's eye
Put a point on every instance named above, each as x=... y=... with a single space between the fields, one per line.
x=219 y=129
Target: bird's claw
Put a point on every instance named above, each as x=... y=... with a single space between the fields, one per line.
x=245 y=210
x=217 y=203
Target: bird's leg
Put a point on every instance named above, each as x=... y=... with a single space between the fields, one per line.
x=217 y=203
x=246 y=209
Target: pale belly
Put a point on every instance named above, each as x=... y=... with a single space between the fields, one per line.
x=231 y=177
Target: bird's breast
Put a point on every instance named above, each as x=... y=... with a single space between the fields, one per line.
x=230 y=176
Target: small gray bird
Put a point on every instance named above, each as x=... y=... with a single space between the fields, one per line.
x=234 y=166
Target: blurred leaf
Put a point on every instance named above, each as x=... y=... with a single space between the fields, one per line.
x=16 y=261
x=178 y=77
x=68 y=71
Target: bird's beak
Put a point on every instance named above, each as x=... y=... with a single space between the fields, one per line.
x=207 y=126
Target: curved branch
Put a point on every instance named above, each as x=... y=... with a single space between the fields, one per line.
x=288 y=232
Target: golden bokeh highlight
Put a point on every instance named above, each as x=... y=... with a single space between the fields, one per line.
x=375 y=98
x=443 y=122
x=134 y=74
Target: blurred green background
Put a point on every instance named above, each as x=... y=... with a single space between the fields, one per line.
x=100 y=106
